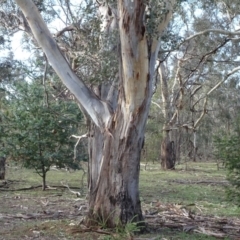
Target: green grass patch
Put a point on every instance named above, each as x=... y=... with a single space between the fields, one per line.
x=194 y=183
x=195 y=186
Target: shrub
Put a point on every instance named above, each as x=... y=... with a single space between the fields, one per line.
x=228 y=150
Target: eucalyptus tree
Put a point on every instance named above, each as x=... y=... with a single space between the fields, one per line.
x=118 y=111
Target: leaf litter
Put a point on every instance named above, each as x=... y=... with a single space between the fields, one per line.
x=179 y=217
x=158 y=215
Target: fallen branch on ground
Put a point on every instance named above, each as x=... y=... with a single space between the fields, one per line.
x=201 y=182
x=54 y=187
x=74 y=192
x=178 y=217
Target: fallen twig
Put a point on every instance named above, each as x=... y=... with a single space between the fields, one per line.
x=201 y=182
x=54 y=187
x=21 y=189
x=74 y=192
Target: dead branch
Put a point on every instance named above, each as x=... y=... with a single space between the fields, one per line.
x=78 y=141
x=66 y=29
x=74 y=192
x=178 y=217
x=22 y=189
x=204 y=111
x=33 y=187
x=201 y=182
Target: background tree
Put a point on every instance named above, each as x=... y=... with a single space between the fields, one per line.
x=197 y=58
x=8 y=70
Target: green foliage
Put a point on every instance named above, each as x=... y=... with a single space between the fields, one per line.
x=37 y=128
x=228 y=150
x=124 y=232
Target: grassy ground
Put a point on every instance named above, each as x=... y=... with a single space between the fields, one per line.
x=193 y=189
x=200 y=184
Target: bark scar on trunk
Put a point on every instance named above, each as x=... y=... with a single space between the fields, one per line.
x=140 y=9
x=126 y=21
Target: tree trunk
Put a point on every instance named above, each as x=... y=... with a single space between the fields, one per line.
x=44 y=182
x=178 y=145
x=43 y=175
x=195 y=148
x=2 y=168
x=114 y=194
x=114 y=165
x=168 y=153
x=115 y=153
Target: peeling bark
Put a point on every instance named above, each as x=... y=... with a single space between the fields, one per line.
x=114 y=195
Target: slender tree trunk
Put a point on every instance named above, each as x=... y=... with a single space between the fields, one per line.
x=168 y=152
x=43 y=174
x=44 y=181
x=195 y=148
x=2 y=168
x=178 y=145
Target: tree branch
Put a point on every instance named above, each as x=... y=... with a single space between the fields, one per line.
x=209 y=92
x=157 y=105
x=219 y=31
x=161 y=28
x=75 y=146
x=66 y=29
x=98 y=110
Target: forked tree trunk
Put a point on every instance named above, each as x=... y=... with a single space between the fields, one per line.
x=118 y=134
x=113 y=189
x=2 y=168
x=114 y=163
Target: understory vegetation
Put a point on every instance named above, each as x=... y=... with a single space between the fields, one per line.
x=228 y=150
x=187 y=203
